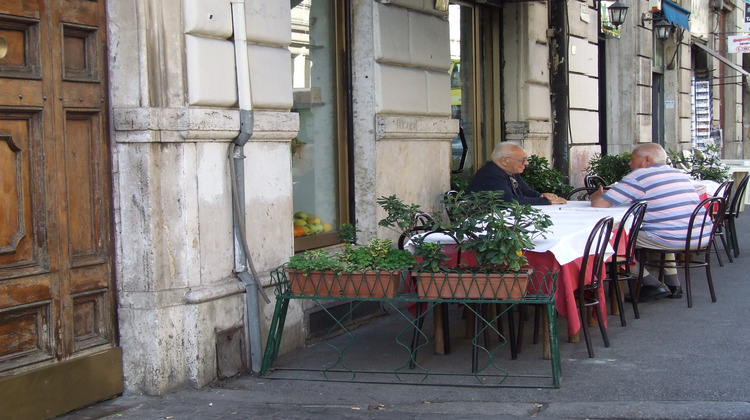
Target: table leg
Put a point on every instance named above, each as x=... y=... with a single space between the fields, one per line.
x=437 y=313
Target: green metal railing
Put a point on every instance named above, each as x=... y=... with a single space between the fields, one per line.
x=413 y=295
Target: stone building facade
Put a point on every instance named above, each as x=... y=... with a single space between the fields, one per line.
x=174 y=108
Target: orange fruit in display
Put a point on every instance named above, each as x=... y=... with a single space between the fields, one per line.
x=299 y=231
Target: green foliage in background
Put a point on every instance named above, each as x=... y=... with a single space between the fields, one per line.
x=543 y=178
x=701 y=164
x=612 y=168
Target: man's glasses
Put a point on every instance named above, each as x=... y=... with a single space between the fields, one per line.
x=524 y=160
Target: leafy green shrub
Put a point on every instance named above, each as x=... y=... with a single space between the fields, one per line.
x=379 y=254
x=612 y=168
x=543 y=178
x=701 y=164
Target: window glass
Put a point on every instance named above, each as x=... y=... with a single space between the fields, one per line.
x=316 y=161
x=460 y=19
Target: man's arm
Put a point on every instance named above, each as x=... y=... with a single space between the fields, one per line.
x=597 y=200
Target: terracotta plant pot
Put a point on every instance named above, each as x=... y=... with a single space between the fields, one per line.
x=372 y=284
x=472 y=285
x=315 y=283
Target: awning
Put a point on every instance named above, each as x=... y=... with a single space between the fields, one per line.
x=723 y=59
x=675 y=14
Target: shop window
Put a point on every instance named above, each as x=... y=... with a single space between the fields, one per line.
x=476 y=91
x=319 y=163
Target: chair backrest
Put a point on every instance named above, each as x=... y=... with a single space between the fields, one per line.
x=724 y=190
x=594 y=181
x=591 y=275
x=581 y=194
x=629 y=226
x=708 y=214
x=739 y=193
x=422 y=223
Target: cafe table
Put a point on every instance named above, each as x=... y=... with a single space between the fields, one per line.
x=560 y=249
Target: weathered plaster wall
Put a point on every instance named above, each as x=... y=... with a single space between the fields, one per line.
x=526 y=77
x=173 y=96
x=402 y=126
x=583 y=85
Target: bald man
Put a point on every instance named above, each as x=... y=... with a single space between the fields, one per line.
x=503 y=173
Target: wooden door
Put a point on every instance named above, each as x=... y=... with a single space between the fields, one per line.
x=57 y=303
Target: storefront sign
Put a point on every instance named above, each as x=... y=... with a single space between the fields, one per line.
x=738 y=43
x=746 y=26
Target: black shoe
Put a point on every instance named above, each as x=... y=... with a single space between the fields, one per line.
x=649 y=293
x=676 y=292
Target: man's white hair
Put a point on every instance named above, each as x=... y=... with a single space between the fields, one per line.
x=655 y=151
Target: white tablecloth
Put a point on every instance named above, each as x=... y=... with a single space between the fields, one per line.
x=571 y=226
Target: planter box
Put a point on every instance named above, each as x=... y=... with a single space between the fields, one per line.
x=367 y=284
x=472 y=285
x=374 y=284
x=314 y=283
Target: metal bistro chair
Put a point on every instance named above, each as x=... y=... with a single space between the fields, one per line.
x=591 y=277
x=581 y=194
x=618 y=268
x=703 y=221
x=733 y=211
x=724 y=190
x=594 y=181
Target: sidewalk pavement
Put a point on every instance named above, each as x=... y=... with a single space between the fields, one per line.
x=672 y=363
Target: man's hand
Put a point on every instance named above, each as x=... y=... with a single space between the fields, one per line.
x=597 y=200
x=554 y=199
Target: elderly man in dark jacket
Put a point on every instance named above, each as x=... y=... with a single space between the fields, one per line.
x=502 y=173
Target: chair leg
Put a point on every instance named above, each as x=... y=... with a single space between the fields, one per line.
x=723 y=238
x=602 y=316
x=716 y=250
x=446 y=329
x=632 y=287
x=512 y=333
x=585 y=328
x=732 y=229
x=688 y=287
x=521 y=320
x=615 y=282
x=710 y=280
x=537 y=315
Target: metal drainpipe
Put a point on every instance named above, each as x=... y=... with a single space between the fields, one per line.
x=237 y=172
x=559 y=85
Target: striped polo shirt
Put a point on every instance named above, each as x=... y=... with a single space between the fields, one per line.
x=671 y=199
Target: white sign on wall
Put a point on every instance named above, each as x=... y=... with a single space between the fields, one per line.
x=738 y=44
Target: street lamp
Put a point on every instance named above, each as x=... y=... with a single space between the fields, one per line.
x=617 y=13
x=662 y=27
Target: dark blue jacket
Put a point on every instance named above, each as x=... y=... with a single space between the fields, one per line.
x=491 y=178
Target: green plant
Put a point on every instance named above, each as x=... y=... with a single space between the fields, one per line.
x=701 y=164
x=612 y=168
x=315 y=260
x=379 y=254
x=429 y=254
x=348 y=233
x=494 y=230
x=400 y=217
x=540 y=176
x=460 y=181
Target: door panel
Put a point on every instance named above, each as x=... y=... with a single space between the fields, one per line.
x=56 y=288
